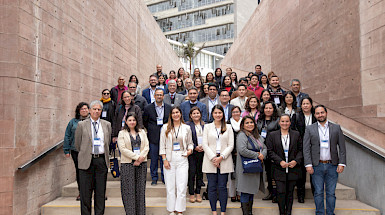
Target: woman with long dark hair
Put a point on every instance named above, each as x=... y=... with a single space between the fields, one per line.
x=265 y=96
x=218 y=77
x=249 y=183
x=252 y=107
x=133 y=146
x=289 y=105
x=218 y=143
x=210 y=78
x=179 y=85
x=195 y=160
x=226 y=84
x=198 y=83
x=234 y=80
x=81 y=113
x=109 y=106
x=172 y=76
x=180 y=73
x=175 y=146
x=264 y=82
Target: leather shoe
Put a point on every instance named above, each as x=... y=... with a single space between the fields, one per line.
x=274 y=200
x=301 y=199
x=154 y=183
x=78 y=198
x=268 y=197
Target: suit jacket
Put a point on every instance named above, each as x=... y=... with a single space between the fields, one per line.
x=166 y=143
x=277 y=154
x=185 y=107
x=229 y=107
x=194 y=133
x=209 y=147
x=125 y=147
x=298 y=123
x=118 y=118
x=179 y=98
x=149 y=120
x=83 y=142
x=140 y=101
x=146 y=94
x=206 y=102
x=311 y=145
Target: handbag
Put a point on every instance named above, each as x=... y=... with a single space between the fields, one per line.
x=114 y=166
x=251 y=165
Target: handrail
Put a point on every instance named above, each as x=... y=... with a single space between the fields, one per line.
x=40 y=156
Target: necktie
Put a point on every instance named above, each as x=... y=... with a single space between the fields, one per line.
x=96 y=148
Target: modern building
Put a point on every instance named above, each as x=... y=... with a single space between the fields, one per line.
x=214 y=23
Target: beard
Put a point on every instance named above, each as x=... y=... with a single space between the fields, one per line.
x=321 y=119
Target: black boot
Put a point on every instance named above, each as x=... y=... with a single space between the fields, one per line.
x=245 y=208
x=301 y=195
x=250 y=208
x=268 y=197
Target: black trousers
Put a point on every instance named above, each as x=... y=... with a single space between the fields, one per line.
x=285 y=190
x=91 y=180
x=301 y=183
x=74 y=155
x=271 y=186
x=195 y=174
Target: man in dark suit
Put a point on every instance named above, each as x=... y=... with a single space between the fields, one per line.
x=224 y=101
x=211 y=100
x=92 y=138
x=172 y=98
x=322 y=158
x=187 y=105
x=149 y=93
x=155 y=115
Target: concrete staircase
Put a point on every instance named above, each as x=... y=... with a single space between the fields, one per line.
x=156 y=202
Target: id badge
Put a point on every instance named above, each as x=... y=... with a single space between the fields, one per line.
x=286 y=154
x=137 y=150
x=97 y=141
x=324 y=144
x=123 y=123
x=218 y=148
x=277 y=101
x=176 y=146
x=104 y=114
x=264 y=133
x=200 y=141
x=159 y=121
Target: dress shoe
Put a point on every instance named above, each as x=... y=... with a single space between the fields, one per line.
x=301 y=199
x=274 y=200
x=233 y=199
x=268 y=197
x=154 y=183
x=78 y=198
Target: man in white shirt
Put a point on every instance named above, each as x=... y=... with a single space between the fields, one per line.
x=323 y=160
x=211 y=100
x=241 y=99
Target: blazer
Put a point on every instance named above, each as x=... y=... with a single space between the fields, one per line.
x=209 y=147
x=109 y=107
x=83 y=142
x=179 y=98
x=118 y=118
x=194 y=132
x=146 y=94
x=166 y=143
x=272 y=126
x=149 y=119
x=298 y=123
x=125 y=148
x=140 y=101
x=229 y=107
x=185 y=107
x=277 y=154
x=311 y=144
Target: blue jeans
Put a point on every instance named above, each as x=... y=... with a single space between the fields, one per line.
x=247 y=197
x=154 y=155
x=325 y=175
x=218 y=182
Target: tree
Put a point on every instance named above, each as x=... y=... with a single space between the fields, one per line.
x=190 y=51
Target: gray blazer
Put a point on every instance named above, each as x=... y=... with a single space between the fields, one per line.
x=311 y=145
x=179 y=98
x=206 y=102
x=83 y=142
x=248 y=182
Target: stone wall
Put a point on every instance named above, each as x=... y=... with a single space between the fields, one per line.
x=54 y=54
x=336 y=48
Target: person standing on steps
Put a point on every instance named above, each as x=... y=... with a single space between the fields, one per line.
x=325 y=157
x=81 y=113
x=175 y=146
x=133 y=146
x=92 y=139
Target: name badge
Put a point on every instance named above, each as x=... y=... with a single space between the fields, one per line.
x=123 y=123
x=218 y=148
x=263 y=133
x=159 y=121
x=137 y=150
x=152 y=99
x=97 y=141
x=104 y=114
x=277 y=101
x=200 y=140
x=176 y=146
x=286 y=154
x=324 y=144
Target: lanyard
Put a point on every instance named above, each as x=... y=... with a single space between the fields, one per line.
x=324 y=133
x=199 y=129
x=159 y=113
x=213 y=103
x=218 y=133
x=95 y=129
x=242 y=103
x=176 y=134
x=307 y=120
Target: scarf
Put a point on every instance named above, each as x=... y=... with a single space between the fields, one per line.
x=236 y=125
x=105 y=100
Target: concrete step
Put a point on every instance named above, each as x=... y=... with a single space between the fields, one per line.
x=113 y=190
x=157 y=206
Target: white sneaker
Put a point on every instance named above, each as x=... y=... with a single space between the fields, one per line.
x=172 y=213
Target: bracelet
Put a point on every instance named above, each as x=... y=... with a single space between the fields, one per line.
x=164 y=159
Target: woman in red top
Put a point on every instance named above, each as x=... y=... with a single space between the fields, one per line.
x=228 y=85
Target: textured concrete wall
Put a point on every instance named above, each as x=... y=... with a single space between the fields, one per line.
x=335 y=47
x=54 y=54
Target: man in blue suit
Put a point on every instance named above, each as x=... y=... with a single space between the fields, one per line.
x=224 y=101
x=187 y=105
x=149 y=93
x=154 y=116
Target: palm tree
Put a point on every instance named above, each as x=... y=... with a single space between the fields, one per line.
x=189 y=52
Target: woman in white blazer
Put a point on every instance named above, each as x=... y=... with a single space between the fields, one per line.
x=218 y=143
x=133 y=145
x=175 y=146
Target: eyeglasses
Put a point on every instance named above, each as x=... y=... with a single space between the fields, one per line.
x=132 y=87
x=106 y=93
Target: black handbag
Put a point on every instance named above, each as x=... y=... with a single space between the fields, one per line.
x=251 y=165
x=114 y=166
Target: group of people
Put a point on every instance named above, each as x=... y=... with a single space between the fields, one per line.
x=218 y=125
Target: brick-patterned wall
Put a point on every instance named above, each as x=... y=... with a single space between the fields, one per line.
x=54 y=54
x=335 y=47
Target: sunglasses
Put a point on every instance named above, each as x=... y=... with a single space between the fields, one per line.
x=106 y=93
